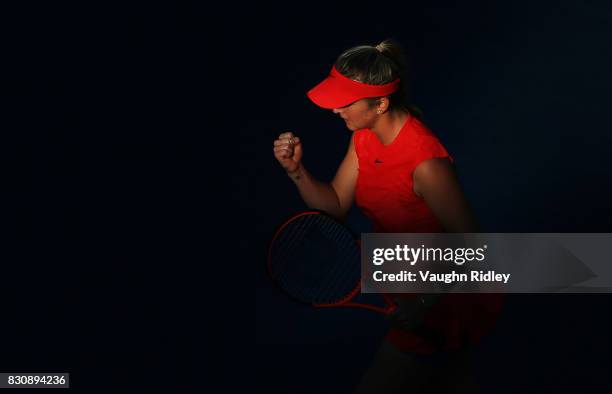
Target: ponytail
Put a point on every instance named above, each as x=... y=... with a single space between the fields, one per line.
x=392 y=50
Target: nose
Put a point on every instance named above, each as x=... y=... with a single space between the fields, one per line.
x=336 y=110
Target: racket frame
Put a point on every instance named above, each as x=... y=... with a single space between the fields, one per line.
x=346 y=301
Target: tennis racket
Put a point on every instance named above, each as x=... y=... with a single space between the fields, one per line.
x=317 y=261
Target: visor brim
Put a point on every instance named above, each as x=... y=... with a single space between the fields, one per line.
x=329 y=95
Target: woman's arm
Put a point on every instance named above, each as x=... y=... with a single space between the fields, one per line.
x=436 y=182
x=336 y=197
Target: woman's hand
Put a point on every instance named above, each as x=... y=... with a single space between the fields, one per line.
x=288 y=152
x=410 y=316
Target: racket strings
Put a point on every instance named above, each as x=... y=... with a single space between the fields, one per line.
x=316 y=260
x=289 y=244
x=294 y=262
x=331 y=282
x=344 y=275
x=286 y=244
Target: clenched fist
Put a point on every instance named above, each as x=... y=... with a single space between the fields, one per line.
x=288 y=151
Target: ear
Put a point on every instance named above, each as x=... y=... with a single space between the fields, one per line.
x=383 y=104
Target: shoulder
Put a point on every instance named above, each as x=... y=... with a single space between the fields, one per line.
x=433 y=167
x=426 y=145
x=423 y=136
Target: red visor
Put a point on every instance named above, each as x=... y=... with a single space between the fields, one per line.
x=337 y=91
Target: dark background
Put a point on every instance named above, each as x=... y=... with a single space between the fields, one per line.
x=112 y=265
x=139 y=189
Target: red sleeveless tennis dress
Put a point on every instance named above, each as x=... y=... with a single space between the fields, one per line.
x=385 y=195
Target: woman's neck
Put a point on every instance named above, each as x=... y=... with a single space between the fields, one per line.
x=388 y=126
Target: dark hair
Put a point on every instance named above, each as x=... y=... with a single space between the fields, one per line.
x=378 y=65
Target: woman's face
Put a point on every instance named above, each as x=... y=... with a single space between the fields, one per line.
x=358 y=115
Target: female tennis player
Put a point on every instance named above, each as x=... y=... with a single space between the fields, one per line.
x=401 y=176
